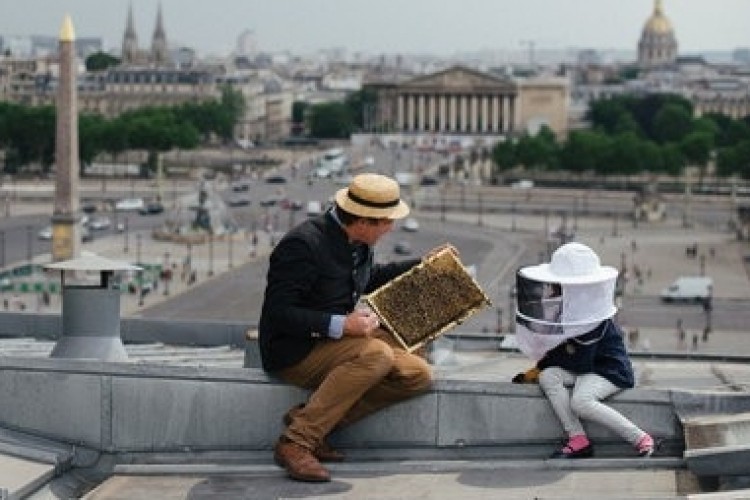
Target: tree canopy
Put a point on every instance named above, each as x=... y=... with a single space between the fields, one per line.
x=28 y=133
x=629 y=135
x=99 y=61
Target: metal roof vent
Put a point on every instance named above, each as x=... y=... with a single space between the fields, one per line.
x=90 y=312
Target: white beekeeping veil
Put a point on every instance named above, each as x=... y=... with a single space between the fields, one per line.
x=564 y=298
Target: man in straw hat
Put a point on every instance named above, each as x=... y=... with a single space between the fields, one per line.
x=313 y=335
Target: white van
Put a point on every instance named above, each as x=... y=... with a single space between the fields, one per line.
x=688 y=289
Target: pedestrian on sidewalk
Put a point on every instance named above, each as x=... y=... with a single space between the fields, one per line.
x=313 y=335
x=681 y=334
x=564 y=321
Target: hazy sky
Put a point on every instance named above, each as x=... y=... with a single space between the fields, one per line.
x=390 y=26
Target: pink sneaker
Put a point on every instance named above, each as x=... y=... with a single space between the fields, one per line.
x=645 y=446
x=578 y=446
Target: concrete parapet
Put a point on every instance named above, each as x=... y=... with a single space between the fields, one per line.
x=128 y=407
x=132 y=330
x=708 y=431
x=718 y=445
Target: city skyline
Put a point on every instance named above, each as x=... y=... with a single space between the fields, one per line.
x=391 y=26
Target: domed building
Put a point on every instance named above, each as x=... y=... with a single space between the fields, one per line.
x=658 y=45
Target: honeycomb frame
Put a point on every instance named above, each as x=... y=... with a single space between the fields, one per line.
x=428 y=300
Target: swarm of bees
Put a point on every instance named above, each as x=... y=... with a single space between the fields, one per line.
x=428 y=300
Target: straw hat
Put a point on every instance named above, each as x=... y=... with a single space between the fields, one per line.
x=572 y=264
x=372 y=195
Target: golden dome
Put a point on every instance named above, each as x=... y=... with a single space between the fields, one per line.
x=658 y=24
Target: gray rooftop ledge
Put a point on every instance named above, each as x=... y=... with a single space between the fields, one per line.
x=143 y=408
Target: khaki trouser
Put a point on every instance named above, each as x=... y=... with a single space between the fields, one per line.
x=351 y=378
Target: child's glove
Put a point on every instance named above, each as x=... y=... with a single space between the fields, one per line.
x=530 y=376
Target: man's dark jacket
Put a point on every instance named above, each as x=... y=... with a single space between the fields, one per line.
x=314 y=273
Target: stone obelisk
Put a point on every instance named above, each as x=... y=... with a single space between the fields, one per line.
x=66 y=231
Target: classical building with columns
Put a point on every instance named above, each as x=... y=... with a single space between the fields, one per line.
x=464 y=101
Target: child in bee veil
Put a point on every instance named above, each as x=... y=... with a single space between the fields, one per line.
x=564 y=323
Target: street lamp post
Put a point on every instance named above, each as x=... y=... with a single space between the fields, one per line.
x=614 y=226
x=479 y=208
x=210 y=254
x=137 y=249
x=2 y=249
x=442 y=203
x=189 y=259
x=29 y=243
x=125 y=233
x=230 y=240
x=137 y=263
x=167 y=273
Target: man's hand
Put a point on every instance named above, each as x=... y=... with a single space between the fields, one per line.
x=438 y=249
x=361 y=323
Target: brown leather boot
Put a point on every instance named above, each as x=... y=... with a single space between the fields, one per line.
x=299 y=462
x=324 y=452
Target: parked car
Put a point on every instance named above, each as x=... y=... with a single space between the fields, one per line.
x=151 y=208
x=322 y=173
x=239 y=187
x=88 y=208
x=410 y=225
x=100 y=223
x=269 y=201
x=314 y=208
x=275 y=179
x=130 y=204
x=402 y=248
x=238 y=201
x=45 y=233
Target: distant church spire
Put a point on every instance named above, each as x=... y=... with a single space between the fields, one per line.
x=159 y=50
x=130 y=40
